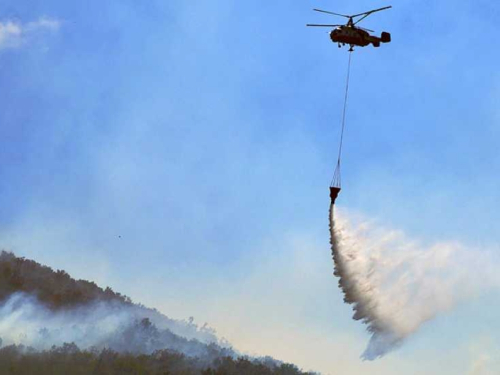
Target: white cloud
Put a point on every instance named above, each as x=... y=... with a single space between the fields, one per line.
x=14 y=34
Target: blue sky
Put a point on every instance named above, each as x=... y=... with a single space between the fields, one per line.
x=205 y=134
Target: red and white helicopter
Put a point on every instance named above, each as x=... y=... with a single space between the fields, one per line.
x=352 y=34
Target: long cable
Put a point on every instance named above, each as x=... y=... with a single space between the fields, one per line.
x=336 y=180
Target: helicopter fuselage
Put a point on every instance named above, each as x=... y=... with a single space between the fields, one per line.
x=355 y=36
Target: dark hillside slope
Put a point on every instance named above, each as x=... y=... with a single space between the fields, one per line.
x=56 y=290
x=51 y=321
x=70 y=360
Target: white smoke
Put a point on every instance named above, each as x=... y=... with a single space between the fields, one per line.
x=102 y=324
x=395 y=284
x=23 y=320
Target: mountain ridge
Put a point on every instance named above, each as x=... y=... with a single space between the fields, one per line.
x=48 y=314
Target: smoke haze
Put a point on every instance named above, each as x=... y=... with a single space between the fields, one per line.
x=395 y=284
x=46 y=314
x=115 y=325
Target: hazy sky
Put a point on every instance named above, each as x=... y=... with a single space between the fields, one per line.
x=181 y=152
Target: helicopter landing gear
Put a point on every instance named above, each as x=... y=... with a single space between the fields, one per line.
x=351 y=49
x=340 y=45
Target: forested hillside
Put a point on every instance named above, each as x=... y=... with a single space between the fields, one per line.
x=56 y=289
x=53 y=324
x=70 y=360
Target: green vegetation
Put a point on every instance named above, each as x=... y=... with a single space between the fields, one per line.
x=70 y=360
x=55 y=289
x=139 y=347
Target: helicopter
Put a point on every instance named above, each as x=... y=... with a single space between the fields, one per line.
x=352 y=34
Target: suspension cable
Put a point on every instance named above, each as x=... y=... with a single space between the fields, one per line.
x=336 y=180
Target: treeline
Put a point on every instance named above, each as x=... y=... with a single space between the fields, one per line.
x=149 y=344
x=143 y=337
x=70 y=360
x=56 y=289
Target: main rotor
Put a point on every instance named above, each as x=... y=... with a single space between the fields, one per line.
x=351 y=22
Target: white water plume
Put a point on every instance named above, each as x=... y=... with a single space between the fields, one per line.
x=395 y=284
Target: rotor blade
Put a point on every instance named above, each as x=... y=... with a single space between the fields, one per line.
x=361 y=19
x=316 y=25
x=336 y=14
x=366 y=14
x=362 y=28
